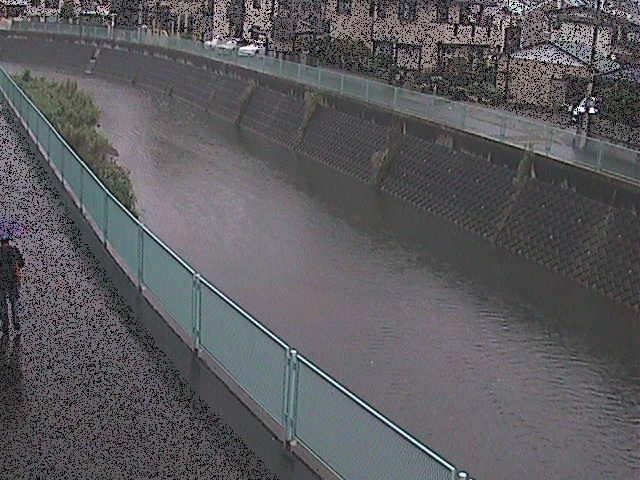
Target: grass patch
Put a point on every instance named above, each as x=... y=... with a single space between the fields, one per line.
x=75 y=116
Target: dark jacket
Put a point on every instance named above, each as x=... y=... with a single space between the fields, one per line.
x=10 y=260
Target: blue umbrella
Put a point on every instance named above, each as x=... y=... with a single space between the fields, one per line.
x=11 y=227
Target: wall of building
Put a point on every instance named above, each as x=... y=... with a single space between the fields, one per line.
x=531 y=82
x=427 y=33
x=583 y=33
x=535 y=28
x=356 y=26
x=258 y=17
x=577 y=231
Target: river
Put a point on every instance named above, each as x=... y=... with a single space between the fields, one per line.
x=506 y=370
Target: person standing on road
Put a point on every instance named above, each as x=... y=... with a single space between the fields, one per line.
x=11 y=265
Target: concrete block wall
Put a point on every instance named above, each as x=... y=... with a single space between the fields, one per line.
x=343 y=142
x=206 y=88
x=591 y=242
x=467 y=191
x=275 y=115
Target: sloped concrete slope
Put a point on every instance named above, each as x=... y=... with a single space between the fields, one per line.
x=275 y=115
x=85 y=393
x=584 y=236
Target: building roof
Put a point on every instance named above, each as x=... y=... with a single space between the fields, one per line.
x=566 y=53
x=583 y=51
x=15 y=3
x=548 y=53
x=587 y=14
x=632 y=74
x=553 y=4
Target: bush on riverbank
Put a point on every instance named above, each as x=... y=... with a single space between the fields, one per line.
x=73 y=113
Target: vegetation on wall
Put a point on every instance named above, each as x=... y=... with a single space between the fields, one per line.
x=354 y=56
x=621 y=102
x=462 y=80
x=67 y=10
x=75 y=116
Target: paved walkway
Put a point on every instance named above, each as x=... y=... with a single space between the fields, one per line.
x=84 y=392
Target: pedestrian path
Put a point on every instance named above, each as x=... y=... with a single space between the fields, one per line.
x=84 y=391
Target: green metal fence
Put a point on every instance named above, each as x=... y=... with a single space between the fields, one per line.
x=337 y=428
x=542 y=138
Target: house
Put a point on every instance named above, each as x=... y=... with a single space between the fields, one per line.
x=549 y=74
x=617 y=36
x=13 y=8
x=426 y=35
x=418 y=34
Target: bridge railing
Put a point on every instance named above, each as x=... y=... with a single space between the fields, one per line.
x=314 y=413
x=542 y=138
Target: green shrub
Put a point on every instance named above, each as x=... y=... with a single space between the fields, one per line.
x=75 y=116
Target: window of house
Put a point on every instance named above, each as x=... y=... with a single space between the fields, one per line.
x=256 y=3
x=407 y=10
x=344 y=7
x=384 y=47
x=442 y=12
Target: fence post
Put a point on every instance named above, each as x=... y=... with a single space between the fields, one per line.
x=105 y=223
x=342 y=83
x=140 y=256
x=62 y=163
x=48 y=145
x=196 y=311
x=395 y=97
x=503 y=127
x=37 y=129
x=464 y=115
x=82 y=169
x=366 y=89
x=549 y=140
x=291 y=404
x=600 y=155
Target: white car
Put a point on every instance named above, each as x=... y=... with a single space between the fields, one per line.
x=251 y=50
x=228 y=46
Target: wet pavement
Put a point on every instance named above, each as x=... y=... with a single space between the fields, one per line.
x=84 y=391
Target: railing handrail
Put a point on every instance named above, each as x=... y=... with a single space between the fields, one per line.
x=518 y=125
x=353 y=397
x=361 y=403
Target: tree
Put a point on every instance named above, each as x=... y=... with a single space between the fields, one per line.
x=621 y=101
x=68 y=10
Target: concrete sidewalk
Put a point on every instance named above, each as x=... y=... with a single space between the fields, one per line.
x=85 y=393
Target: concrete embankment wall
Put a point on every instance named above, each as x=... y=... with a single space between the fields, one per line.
x=580 y=225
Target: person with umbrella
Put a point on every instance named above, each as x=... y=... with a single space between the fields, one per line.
x=11 y=265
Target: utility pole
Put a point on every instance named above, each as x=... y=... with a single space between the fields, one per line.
x=584 y=124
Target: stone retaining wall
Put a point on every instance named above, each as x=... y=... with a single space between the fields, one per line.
x=591 y=241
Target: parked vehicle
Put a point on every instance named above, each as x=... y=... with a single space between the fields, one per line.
x=251 y=50
x=229 y=46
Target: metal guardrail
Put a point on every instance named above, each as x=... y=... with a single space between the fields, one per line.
x=335 y=427
x=539 y=137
